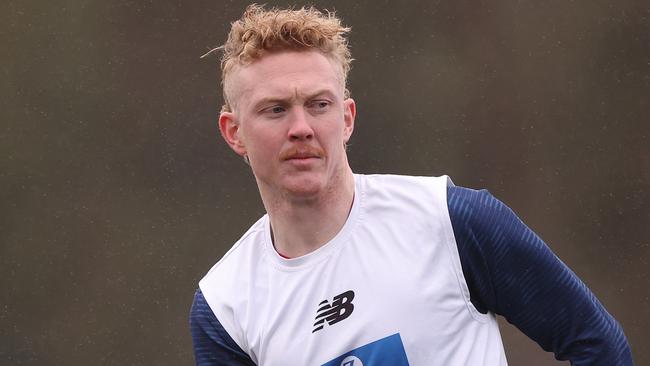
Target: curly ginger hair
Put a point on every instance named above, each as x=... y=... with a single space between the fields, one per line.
x=261 y=31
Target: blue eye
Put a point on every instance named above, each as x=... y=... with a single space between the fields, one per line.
x=277 y=109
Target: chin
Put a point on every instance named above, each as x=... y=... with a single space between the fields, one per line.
x=304 y=186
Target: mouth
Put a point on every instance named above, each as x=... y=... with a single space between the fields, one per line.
x=302 y=162
x=302 y=157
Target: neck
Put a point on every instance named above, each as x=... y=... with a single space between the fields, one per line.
x=302 y=225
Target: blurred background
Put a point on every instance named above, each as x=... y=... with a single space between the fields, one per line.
x=117 y=193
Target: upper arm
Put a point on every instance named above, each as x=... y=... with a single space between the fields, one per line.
x=512 y=272
x=213 y=346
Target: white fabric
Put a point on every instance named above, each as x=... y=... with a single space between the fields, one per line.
x=398 y=254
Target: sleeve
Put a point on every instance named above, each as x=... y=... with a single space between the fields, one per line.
x=212 y=344
x=510 y=271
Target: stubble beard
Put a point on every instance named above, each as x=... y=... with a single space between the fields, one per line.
x=308 y=190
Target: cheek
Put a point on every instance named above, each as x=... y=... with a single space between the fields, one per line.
x=263 y=142
x=336 y=141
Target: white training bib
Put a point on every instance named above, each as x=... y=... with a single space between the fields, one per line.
x=388 y=290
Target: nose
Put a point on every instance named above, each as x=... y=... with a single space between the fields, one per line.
x=300 y=128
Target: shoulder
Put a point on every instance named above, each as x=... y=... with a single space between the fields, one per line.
x=226 y=278
x=412 y=190
x=224 y=287
x=478 y=209
x=399 y=181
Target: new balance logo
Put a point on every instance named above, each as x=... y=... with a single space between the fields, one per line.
x=340 y=309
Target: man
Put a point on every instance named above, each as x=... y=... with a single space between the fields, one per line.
x=359 y=270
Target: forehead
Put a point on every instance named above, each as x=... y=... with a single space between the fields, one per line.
x=287 y=72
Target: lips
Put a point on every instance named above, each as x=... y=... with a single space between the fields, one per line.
x=301 y=156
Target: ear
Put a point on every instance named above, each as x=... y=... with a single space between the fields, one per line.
x=349 y=113
x=230 y=130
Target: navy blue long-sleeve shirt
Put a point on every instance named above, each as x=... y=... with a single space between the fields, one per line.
x=509 y=271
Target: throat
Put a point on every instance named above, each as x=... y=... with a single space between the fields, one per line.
x=301 y=227
x=300 y=234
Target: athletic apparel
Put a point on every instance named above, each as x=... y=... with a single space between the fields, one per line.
x=395 y=265
x=390 y=280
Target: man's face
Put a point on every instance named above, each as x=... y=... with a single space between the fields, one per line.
x=292 y=122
